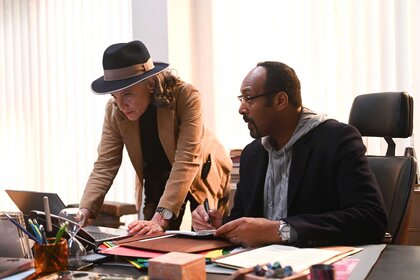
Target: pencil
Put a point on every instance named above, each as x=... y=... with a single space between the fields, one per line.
x=60 y=232
x=47 y=214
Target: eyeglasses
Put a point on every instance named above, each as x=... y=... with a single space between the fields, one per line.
x=244 y=99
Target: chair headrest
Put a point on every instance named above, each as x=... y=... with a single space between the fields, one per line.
x=385 y=114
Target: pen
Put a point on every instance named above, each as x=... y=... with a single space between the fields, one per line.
x=207 y=208
x=35 y=230
x=36 y=223
x=47 y=214
x=60 y=232
x=43 y=234
x=30 y=235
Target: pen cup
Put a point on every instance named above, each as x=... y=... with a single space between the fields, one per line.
x=322 y=272
x=50 y=258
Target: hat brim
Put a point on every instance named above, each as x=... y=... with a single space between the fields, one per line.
x=100 y=86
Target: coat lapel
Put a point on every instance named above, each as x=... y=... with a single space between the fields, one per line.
x=166 y=127
x=253 y=176
x=300 y=157
x=130 y=131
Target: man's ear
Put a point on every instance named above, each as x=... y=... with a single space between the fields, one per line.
x=280 y=100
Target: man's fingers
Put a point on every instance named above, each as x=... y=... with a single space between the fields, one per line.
x=226 y=229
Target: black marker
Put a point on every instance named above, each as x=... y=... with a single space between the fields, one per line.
x=207 y=208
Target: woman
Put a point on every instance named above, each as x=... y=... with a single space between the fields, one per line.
x=157 y=117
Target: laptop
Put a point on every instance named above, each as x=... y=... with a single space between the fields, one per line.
x=31 y=204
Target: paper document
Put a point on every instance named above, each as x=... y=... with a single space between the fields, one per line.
x=192 y=233
x=299 y=259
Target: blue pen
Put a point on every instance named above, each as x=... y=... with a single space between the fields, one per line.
x=22 y=229
x=35 y=230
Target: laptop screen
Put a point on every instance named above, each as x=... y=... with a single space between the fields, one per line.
x=30 y=200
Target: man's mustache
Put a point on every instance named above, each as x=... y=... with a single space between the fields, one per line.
x=246 y=119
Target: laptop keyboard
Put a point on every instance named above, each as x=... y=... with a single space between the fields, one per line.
x=102 y=235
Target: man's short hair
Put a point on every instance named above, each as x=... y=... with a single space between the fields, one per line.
x=282 y=77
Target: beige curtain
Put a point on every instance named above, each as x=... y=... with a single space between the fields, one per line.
x=51 y=50
x=50 y=121
x=339 y=49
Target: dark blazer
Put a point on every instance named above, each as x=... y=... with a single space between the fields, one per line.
x=333 y=197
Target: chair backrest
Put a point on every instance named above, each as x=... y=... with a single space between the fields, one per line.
x=389 y=115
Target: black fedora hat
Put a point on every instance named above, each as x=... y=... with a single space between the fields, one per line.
x=126 y=64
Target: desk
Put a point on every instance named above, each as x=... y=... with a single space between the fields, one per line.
x=395 y=262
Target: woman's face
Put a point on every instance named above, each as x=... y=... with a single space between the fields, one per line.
x=133 y=101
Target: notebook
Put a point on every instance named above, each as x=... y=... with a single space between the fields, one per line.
x=179 y=243
x=31 y=204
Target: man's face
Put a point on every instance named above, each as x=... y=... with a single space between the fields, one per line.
x=133 y=101
x=255 y=110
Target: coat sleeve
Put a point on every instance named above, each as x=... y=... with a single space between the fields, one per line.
x=107 y=163
x=333 y=196
x=338 y=201
x=189 y=136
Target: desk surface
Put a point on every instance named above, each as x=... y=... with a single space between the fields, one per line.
x=397 y=262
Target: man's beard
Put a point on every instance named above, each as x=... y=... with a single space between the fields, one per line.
x=253 y=132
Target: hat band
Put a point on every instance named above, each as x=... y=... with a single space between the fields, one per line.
x=128 y=72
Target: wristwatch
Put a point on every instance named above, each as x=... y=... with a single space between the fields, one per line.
x=166 y=213
x=284 y=231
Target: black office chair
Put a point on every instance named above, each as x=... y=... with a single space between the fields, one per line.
x=389 y=115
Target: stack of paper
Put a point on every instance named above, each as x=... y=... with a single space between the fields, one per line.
x=299 y=259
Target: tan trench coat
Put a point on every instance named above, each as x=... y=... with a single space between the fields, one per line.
x=187 y=144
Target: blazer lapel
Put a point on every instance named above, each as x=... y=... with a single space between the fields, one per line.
x=130 y=131
x=254 y=177
x=166 y=122
x=300 y=157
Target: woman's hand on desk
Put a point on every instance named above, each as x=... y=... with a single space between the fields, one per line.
x=200 y=218
x=142 y=227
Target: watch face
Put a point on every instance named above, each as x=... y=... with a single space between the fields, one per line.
x=166 y=214
x=285 y=232
x=285 y=229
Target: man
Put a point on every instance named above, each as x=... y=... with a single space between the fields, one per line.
x=305 y=180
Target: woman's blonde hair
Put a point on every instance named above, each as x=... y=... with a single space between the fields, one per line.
x=164 y=90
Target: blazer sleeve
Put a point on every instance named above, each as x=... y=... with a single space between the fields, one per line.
x=108 y=162
x=338 y=201
x=189 y=130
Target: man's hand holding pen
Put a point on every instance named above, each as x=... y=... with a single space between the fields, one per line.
x=202 y=219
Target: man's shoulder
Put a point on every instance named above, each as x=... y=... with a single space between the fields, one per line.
x=253 y=150
x=332 y=126
x=330 y=131
x=253 y=146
